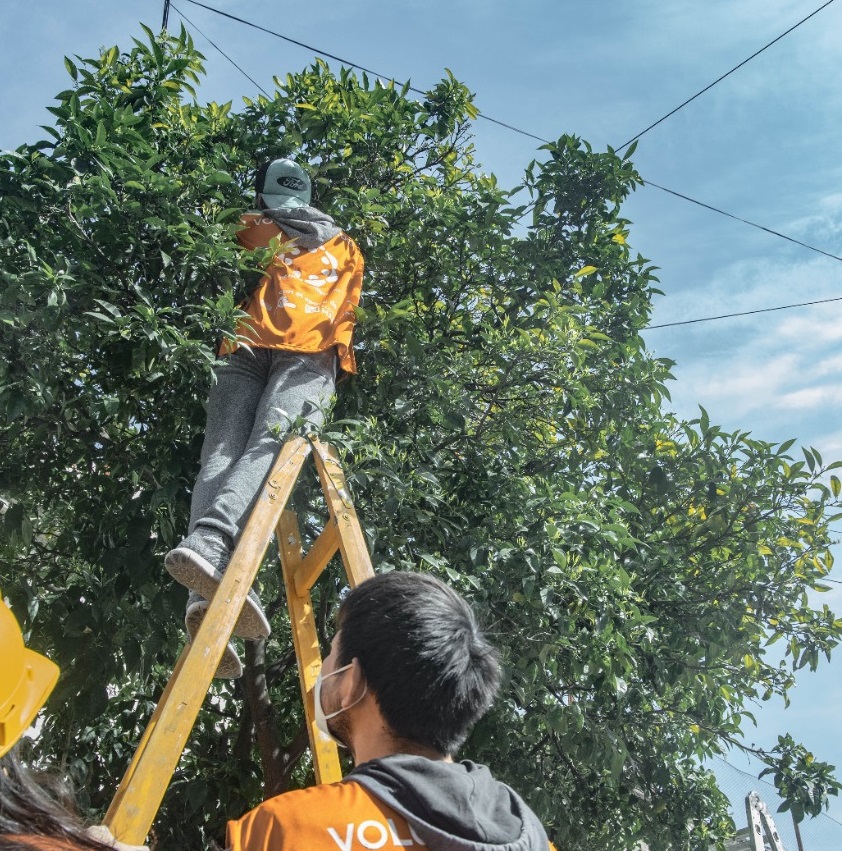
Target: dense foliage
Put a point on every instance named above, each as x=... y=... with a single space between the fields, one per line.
x=508 y=430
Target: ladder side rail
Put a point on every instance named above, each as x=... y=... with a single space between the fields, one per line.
x=306 y=641
x=772 y=834
x=144 y=784
x=754 y=826
x=117 y=802
x=352 y=543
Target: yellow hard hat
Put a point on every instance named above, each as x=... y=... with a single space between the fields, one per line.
x=26 y=680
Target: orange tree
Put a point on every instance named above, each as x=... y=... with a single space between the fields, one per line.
x=508 y=431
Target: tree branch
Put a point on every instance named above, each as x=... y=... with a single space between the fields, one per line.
x=272 y=755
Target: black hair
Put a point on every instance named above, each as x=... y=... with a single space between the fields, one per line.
x=433 y=672
x=27 y=811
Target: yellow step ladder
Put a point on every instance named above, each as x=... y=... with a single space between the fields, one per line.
x=142 y=789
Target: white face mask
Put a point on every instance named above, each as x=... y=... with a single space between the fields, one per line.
x=321 y=718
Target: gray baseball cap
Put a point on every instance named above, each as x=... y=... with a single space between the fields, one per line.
x=282 y=183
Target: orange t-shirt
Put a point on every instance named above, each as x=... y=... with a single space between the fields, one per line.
x=340 y=816
x=334 y=817
x=305 y=301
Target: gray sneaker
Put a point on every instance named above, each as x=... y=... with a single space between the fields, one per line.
x=196 y=573
x=230 y=667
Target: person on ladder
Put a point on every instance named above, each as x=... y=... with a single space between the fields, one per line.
x=409 y=674
x=282 y=370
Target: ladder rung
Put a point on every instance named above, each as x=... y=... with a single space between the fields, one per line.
x=320 y=553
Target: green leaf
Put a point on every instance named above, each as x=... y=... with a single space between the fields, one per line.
x=71 y=68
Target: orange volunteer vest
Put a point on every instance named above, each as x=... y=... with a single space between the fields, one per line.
x=334 y=817
x=305 y=301
x=339 y=816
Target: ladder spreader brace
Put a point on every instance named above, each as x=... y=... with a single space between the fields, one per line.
x=142 y=789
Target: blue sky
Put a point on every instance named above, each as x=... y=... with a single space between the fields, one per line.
x=762 y=144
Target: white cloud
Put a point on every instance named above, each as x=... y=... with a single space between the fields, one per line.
x=814 y=327
x=811 y=397
x=829 y=366
x=830 y=444
x=822 y=226
x=747 y=379
x=780 y=370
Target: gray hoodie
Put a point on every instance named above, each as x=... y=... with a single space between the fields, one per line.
x=453 y=806
x=308 y=226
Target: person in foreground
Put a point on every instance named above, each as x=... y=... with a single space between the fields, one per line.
x=29 y=817
x=408 y=675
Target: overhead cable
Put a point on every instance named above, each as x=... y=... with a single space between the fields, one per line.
x=726 y=74
x=744 y=221
x=743 y=313
x=511 y=127
x=286 y=38
x=319 y=52
x=213 y=44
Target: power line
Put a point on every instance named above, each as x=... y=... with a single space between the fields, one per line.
x=744 y=221
x=726 y=74
x=213 y=44
x=743 y=313
x=286 y=38
x=359 y=67
x=511 y=127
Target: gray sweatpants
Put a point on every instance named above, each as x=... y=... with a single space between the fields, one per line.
x=255 y=390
